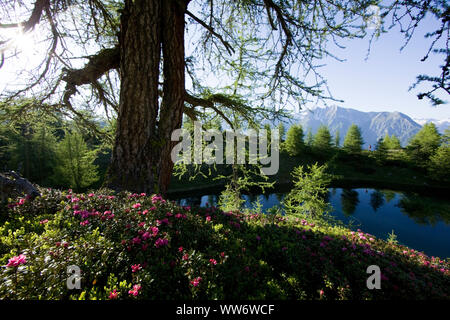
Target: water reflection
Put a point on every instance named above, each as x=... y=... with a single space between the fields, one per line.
x=424 y=211
x=419 y=222
x=376 y=200
x=349 y=201
x=388 y=195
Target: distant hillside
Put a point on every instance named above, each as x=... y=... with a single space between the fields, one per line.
x=373 y=124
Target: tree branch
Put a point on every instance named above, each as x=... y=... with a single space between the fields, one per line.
x=211 y=30
x=97 y=66
x=35 y=17
x=200 y=102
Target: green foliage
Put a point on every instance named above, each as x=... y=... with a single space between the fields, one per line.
x=33 y=152
x=392 y=238
x=424 y=144
x=393 y=142
x=322 y=140
x=294 y=144
x=281 y=131
x=171 y=252
x=349 y=201
x=307 y=197
x=309 y=138
x=243 y=178
x=75 y=166
x=381 y=150
x=337 y=139
x=439 y=165
x=32 y=145
x=353 y=140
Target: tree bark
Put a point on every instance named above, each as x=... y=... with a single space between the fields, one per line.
x=171 y=113
x=141 y=159
x=133 y=157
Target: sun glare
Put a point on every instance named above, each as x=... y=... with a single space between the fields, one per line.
x=24 y=42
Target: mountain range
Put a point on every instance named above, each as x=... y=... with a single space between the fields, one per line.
x=373 y=125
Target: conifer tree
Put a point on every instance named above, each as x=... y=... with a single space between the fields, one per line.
x=322 y=139
x=353 y=140
x=294 y=143
x=75 y=167
x=424 y=144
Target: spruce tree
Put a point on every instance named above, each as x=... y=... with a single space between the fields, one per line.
x=353 y=140
x=381 y=151
x=424 y=144
x=75 y=167
x=322 y=139
x=294 y=143
x=337 y=139
x=281 y=131
x=309 y=138
x=395 y=143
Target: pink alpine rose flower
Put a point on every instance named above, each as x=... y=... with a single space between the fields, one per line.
x=16 y=261
x=136 y=206
x=135 y=290
x=113 y=294
x=196 y=281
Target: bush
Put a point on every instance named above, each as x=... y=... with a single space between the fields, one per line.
x=131 y=246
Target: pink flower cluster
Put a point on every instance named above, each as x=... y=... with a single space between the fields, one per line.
x=161 y=242
x=196 y=281
x=163 y=221
x=135 y=290
x=17 y=261
x=158 y=198
x=135 y=268
x=84 y=223
x=113 y=294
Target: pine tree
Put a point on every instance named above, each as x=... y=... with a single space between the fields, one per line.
x=424 y=144
x=308 y=196
x=281 y=131
x=392 y=143
x=75 y=167
x=32 y=150
x=439 y=166
x=353 y=140
x=322 y=139
x=381 y=150
x=309 y=138
x=395 y=143
x=387 y=141
x=294 y=143
x=337 y=139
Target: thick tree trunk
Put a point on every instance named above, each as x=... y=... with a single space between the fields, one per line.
x=171 y=113
x=141 y=156
x=133 y=158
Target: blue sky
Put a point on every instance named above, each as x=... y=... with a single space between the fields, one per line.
x=381 y=83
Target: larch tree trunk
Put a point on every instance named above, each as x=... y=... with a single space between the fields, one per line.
x=141 y=159
x=171 y=113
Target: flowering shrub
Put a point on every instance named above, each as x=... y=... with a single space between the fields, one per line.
x=134 y=246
